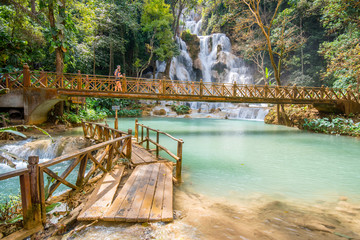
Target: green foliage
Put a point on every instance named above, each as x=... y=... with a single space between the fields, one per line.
x=333 y=126
x=156 y=20
x=10 y=209
x=180 y=109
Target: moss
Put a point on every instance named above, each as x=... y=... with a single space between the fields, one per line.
x=192 y=42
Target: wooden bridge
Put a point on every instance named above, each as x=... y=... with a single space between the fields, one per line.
x=80 y=85
x=146 y=195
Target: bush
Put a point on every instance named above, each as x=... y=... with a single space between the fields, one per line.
x=333 y=126
x=180 y=109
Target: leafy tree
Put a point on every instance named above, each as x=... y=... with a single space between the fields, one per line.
x=156 y=21
x=341 y=19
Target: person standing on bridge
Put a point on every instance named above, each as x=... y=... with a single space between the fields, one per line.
x=118 y=75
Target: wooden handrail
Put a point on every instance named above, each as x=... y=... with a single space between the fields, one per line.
x=177 y=157
x=15 y=173
x=116 y=144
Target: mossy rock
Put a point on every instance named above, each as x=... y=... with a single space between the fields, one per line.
x=193 y=44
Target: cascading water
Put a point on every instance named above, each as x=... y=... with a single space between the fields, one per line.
x=43 y=148
x=215 y=63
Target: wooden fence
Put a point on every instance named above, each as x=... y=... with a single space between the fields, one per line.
x=114 y=145
x=147 y=140
x=104 y=86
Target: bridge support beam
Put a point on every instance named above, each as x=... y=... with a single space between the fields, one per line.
x=37 y=103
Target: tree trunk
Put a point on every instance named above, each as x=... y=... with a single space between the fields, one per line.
x=33 y=10
x=94 y=57
x=111 y=59
x=167 y=69
x=301 y=48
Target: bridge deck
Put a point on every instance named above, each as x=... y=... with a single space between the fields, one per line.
x=147 y=194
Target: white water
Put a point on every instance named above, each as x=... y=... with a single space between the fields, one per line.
x=215 y=63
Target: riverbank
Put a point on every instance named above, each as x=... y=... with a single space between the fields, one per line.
x=309 y=118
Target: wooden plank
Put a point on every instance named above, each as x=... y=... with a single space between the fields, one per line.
x=134 y=209
x=23 y=233
x=156 y=208
x=167 y=208
x=143 y=154
x=144 y=212
x=110 y=214
x=102 y=197
x=130 y=195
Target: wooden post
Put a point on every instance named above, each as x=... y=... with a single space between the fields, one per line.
x=178 y=162
x=110 y=157
x=322 y=90
x=82 y=169
x=147 y=139
x=266 y=90
x=234 y=89
x=129 y=146
x=142 y=134
x=201 y=87
x=79 y=81
x=124 y=88
x=163 y=87
x=84 y=128
x=157 y=141
x=294 y=91
x=34 y=188
x=7 y=80
x=26 y=76
x=116 y=123
x=136 y=130
x=26 y=200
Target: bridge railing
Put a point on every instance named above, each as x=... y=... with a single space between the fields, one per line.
x=114 y=145
x=163 y=87
x=158 y=147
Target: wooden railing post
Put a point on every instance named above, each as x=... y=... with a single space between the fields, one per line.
x=82 y=169
x=266 y=90
x=179 y=161
x=294 y=91
x=84 y=128
x=110 y=157
x=79 y=81
x=142 y=134
x=124 y=87
x=322 y=91
x=129 y=146
x=201 y=87
x=147 y=139
x=34 y=189
x=137 y=130
x=26 y=75
x=7 y=80
x=234 y=89
x=157 y=141
x=26 y=200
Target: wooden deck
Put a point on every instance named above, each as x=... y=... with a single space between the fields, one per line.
x=147 y=194
x=141 y=156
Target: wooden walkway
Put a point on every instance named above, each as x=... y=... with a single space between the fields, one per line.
x=147 y=194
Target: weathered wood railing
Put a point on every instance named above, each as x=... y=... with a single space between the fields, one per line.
x=158 y=147
x=29 y=201
x=104 y=86
x=114 y=145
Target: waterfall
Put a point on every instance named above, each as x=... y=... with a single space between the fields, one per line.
x=215 y=63
x=43 y=148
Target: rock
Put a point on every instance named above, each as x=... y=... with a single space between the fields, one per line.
x=343 y=198
x=315 y=226
x=197 y=64
x=159 y=112
x=187 y=116
x=1 y=235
